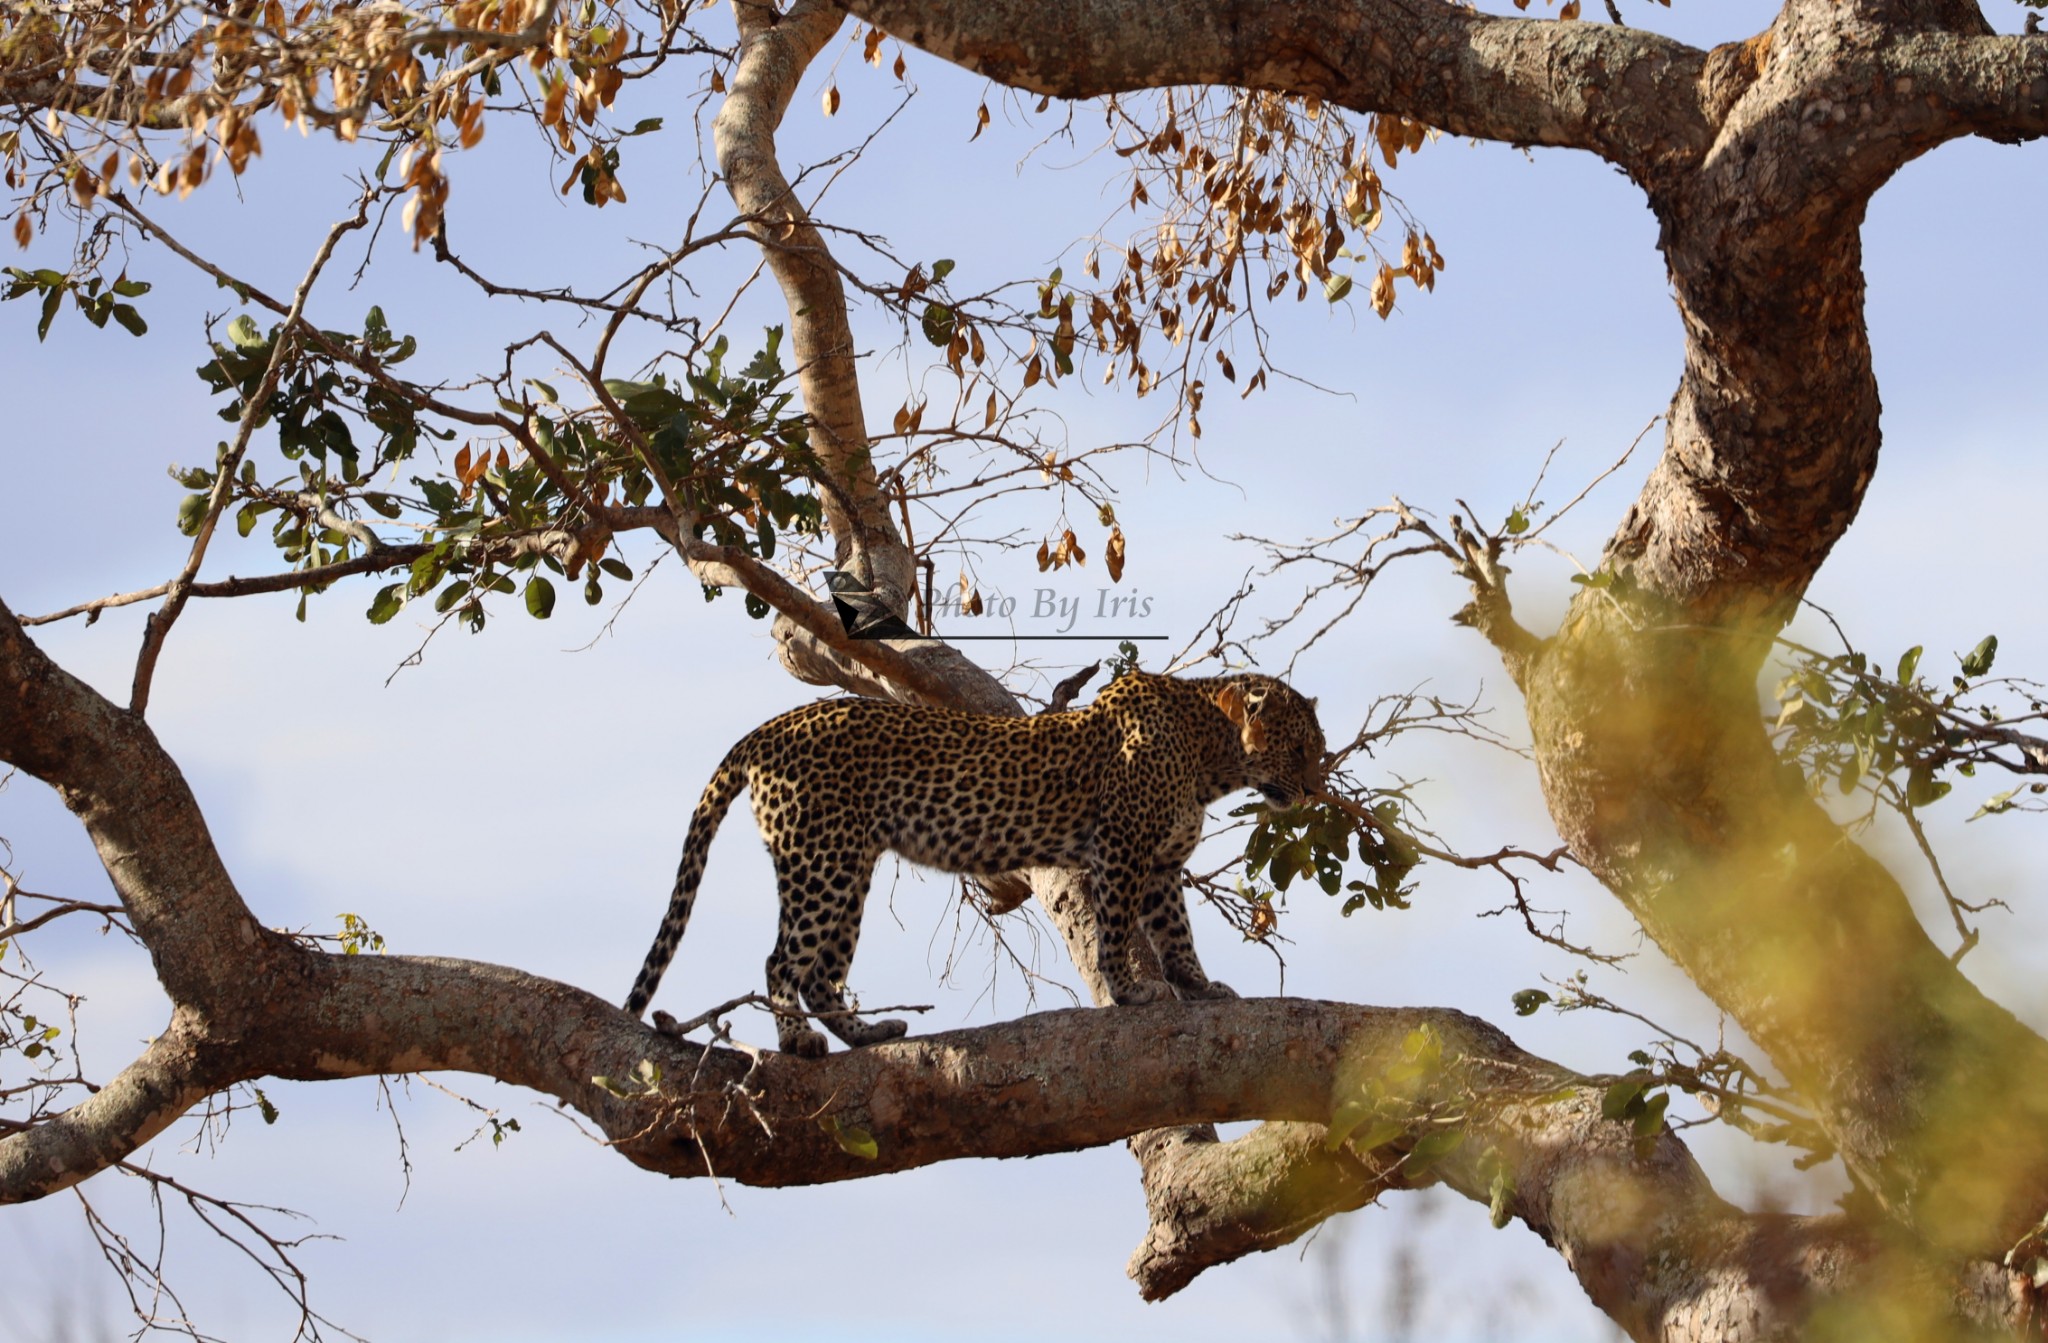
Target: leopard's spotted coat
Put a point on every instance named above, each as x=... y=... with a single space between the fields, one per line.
x=1117 y=789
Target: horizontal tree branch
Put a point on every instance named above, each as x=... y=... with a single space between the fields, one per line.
x=1996 y=87
x=1624 y=93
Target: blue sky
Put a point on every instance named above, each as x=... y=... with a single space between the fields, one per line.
x=512 y=800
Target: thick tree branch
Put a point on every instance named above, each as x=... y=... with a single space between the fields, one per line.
x=1623 y=93
x=107 y=1127
x=135 y=805
x=1996 y=87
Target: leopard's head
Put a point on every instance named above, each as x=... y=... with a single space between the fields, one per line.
x=1283 y=742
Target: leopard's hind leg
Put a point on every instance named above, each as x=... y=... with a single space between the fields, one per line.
x=823 y=890
x=847 y=874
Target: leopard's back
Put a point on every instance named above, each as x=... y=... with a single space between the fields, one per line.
x=954 y=791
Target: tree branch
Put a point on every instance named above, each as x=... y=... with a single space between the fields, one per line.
x=1623 y=93
x=1996 y=87
x=254 y=409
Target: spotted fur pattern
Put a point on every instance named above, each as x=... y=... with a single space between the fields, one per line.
x=1117 y=789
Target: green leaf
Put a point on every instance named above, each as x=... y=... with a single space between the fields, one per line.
x=1378 y=1134
x=540 y=597
x=263 y=1105
x=128 y=288
x=192 y=512
x=130 y=320
x=450 y=595
x=389 y=602
x=941 y=269
x=1651 y=1120
x=1337 y=286
x=1980 y=658
x=1500 y=1195
x=1526 y=1001
x=1923 y=788
x=1619 y=1097
x=645 y=126
x=1432 y=1146
x=616 y=568
x=939 y=323
x=1909 y=662
x=623 y=390
x=1518 y=522
x=2000 y=803
x=1345 y=1122
x=242 y=331
x=50 y=302
x=852 y=1139
x=1424 y=1046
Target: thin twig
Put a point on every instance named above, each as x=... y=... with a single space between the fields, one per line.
x=254 y=410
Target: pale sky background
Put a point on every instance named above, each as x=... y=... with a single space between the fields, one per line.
x=514 y=801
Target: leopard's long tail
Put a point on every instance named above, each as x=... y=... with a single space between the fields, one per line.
x=725 y=785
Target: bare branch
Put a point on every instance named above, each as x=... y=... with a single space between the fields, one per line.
x=254 y=410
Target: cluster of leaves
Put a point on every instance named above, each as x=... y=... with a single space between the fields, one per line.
x=947 y=323
x=95 y=298
x=27 y=1036
x=1064 y=548
x=1315 y=840
x=1850 y=726
x=418 y=75
x=22 y=1033
x=1727 y=1086
x=1243 y=182
x=738 y=461
x=357 y=936
x=1387 y=1111
x=512 y=509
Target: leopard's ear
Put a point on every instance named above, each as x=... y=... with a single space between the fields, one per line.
x=1242 y=707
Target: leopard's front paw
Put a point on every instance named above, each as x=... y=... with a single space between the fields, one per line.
x=1215 y=988
x=1141 y=991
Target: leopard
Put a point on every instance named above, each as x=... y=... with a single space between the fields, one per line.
x=1117 y=789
